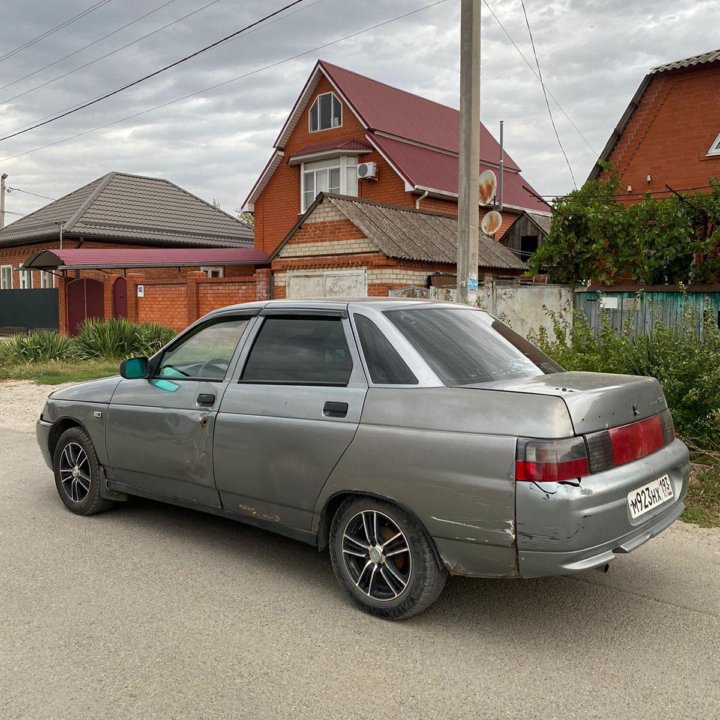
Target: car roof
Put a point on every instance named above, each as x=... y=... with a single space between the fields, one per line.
x=376 y=303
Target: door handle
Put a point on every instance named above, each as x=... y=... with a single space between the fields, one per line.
x=335 y=409
x=206 y=399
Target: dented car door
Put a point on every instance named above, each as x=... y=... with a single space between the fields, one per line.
x=160 y=430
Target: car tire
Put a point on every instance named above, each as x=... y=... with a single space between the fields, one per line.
x=384 y=559
x=78 y=474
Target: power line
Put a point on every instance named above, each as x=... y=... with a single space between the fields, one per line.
x=49 y=32
x=84 y=47
x=102 y=57
x=532 y=70
x=27 y=192
x=184 y=17
x=545 y=95
x=155 y=73
x=225 y=82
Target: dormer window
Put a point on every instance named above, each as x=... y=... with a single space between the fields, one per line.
x=325 y=113
x=715 y=147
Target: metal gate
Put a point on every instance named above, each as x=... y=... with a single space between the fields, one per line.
x=120 y=298
x=84 y=300
x=29 y=309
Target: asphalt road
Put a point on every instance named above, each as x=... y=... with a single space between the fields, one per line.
x=150 y=611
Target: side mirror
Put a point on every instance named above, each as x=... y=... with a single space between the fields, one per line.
x=135 y=368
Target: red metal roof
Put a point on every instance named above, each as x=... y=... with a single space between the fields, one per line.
x=351 y=145
x=430 y=169
x=396 y=112
x=81 y=258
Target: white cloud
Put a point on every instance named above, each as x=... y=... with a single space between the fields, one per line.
x=593 y=53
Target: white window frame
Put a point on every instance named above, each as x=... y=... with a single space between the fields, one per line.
x=214 y=273
x=345 y=163
x=26 y=279
x=714 y=150
x=47 y=280
x=316 y=101
x=3 y=285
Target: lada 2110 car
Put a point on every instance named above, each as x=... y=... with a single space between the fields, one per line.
x=412 y=438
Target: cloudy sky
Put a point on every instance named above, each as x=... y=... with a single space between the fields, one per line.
x=593 y=54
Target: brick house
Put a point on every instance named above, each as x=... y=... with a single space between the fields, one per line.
x=670 y=132
x=348 y=135
x=96 y=245
x=349 y=246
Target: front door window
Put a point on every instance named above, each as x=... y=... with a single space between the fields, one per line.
x=205 y=354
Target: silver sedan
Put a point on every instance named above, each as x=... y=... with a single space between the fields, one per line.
x=413 y=439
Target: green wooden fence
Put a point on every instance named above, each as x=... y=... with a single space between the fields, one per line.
x=639 y=308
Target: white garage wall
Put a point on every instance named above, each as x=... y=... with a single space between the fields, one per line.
x=326 y=284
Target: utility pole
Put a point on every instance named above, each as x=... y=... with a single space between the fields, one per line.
x=3 y=177
x=469 y=163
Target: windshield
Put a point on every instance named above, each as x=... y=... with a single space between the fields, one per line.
x=466 y=347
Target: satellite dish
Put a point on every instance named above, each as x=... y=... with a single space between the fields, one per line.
x=487 y=185
x=491 y=222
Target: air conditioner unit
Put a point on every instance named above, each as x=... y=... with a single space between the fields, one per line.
x=367 y=171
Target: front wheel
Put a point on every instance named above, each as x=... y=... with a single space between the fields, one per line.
x=77 y=473
x=383 y=558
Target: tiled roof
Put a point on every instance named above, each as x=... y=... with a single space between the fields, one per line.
x=427 y=168
x=410 y=234
x=708 y=57
x=132 y=208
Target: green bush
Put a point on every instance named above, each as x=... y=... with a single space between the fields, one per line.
x=40 y=346
x=685 y=360
x=118 y=338
x=97 y=339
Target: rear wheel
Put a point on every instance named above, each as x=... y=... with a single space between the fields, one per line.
x=77 y=473
x=383 y=558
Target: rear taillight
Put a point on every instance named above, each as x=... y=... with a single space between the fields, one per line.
x=551 y=460
x=570 y=458
x=627 y=443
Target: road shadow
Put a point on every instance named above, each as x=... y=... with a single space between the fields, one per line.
x=560 y=610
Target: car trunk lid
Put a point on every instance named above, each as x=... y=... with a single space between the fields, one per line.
x=595 y=401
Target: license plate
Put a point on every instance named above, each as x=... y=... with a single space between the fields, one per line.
x=649 y=496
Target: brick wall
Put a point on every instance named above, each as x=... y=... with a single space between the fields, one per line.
x=173 y=296
x=669 y=134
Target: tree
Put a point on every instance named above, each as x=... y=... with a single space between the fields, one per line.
x=585 y=238
x=593 y=236
x=246 y=218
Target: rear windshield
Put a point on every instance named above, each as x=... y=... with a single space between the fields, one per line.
x=467 y=347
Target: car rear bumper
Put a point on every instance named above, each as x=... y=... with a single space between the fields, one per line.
x=42 y=433
x=565 y=528
x=542 y=564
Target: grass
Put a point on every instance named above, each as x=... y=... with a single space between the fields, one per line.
x=702 y=504
x=55 y=373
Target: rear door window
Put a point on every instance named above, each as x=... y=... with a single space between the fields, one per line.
x=300 y=351
x=468 y=347
x=384 y=363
